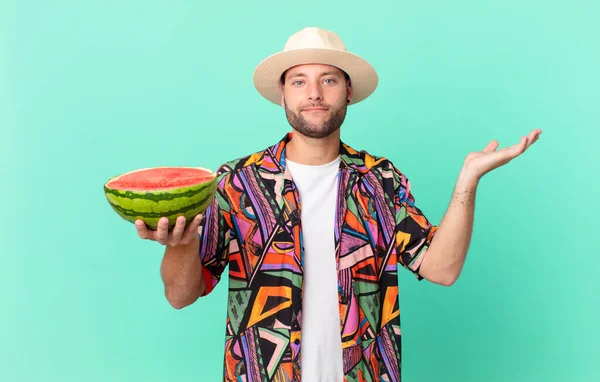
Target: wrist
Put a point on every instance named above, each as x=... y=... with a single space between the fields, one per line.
x=193 y=245
x=467 y=179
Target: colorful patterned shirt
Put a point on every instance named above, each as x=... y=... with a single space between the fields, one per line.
x=254 y=226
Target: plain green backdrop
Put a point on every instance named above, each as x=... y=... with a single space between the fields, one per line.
x=92 y=89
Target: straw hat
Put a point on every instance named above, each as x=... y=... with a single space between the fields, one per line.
x=314 y=46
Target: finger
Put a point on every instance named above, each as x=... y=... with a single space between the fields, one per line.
x=514 y=150
x=162 y=231
x=178 y=230
x=533 y=134
x=142 y=230
x=530 y=141
x=519 y=147
x=532 y=137
x=192 y=229
x=492 y=146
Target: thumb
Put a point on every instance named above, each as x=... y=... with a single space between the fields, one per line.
x=491 y=147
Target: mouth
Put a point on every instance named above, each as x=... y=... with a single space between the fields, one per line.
x=314 y=109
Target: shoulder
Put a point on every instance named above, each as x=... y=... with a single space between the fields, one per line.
x=385 y=170
x=235 y=165
x=379 y=164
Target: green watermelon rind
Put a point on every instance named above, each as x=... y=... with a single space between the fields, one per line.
x=150 y=206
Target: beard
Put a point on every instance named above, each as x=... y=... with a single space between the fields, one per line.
x=312 y=130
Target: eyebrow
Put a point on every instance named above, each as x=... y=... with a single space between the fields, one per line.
x=304 y=75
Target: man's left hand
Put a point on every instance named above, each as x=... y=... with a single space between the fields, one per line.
x=479 y=163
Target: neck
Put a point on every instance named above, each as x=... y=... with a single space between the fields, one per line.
x=313 y=151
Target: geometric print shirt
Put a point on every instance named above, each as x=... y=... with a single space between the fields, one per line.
x=253 y=226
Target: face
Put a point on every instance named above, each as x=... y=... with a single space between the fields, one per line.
x=315 y=98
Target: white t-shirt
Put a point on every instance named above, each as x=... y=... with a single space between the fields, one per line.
x=321 y=351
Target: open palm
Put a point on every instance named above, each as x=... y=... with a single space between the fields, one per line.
x=481 y=162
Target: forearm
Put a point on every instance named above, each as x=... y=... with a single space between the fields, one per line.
x=446 y=255
x=181 y=272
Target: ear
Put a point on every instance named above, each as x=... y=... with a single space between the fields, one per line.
x=349 y=91
x=281 y=86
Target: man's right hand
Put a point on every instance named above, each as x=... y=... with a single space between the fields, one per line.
x=180 y=236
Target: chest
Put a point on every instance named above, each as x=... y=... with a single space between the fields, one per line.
x=276 y=212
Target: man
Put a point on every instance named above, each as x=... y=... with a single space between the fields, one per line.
x=313 y=232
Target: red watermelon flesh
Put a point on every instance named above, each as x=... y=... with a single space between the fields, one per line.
x=161 y=178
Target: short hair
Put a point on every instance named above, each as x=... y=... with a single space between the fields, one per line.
x=282 y=78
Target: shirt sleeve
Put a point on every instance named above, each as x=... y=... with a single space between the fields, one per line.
x=414 y=232
x=216 y=237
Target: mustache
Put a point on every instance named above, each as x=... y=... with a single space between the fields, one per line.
x=319 y=105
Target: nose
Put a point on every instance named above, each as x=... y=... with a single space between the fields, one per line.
x=315 y=93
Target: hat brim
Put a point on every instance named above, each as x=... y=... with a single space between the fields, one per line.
x=267 y=74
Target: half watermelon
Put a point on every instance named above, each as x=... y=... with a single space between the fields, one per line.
x=151 y=193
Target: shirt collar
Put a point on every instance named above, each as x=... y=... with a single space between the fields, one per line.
x=273 y=158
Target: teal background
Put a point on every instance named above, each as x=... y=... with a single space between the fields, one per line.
x=89 y=90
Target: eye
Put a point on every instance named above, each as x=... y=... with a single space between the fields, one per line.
x=297 y=83
x=329 y=81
